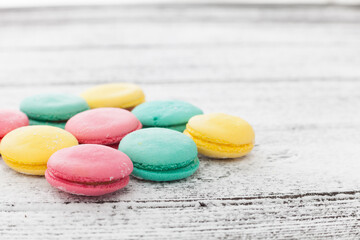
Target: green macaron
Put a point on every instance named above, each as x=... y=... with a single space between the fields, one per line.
x=53 y=107
x=160 y=154
x=172 y=114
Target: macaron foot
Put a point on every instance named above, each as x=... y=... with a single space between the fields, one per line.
x=216 y=150
x=25 y=168
x=59 y=124
x=86 y=189
x=168 y=175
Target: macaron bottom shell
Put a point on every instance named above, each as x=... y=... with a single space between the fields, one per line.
x=217 y=150
x=167 y=175
x=86 y=189
x=29 y=169
x=47 y=123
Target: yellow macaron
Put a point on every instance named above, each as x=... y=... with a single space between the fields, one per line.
x=27 y=149
x=120 y=95
x=220 y=135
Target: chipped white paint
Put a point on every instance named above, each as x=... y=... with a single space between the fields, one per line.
x=296 y=81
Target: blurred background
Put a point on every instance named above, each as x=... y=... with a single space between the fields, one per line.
x=289 y=55
x=22 y=3
x=90 y=41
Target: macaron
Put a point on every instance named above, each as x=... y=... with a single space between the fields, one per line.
x=52 y=108
x=172 y=114
x=160 y=154
x=106 y=126
x=27 y=149
x=11 y=120
x=89 y=169
x=220 y=135
x=118 y=95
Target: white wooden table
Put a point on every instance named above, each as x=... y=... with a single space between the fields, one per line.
x=291 y=71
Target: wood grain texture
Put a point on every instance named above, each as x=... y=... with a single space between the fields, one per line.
x=156 y=44
x=56 y=3
x=295 y=81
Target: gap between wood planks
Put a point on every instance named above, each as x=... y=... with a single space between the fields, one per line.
x=182 y=4
x=169 y=13
x=280 y=196
x=80 y=83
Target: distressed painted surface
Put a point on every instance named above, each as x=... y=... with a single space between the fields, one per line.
x=296 y=81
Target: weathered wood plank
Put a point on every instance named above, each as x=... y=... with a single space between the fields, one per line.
x=245 y=52
x=330 y=217
x=157 y=65
x=183 y=12
x=169 y=51
x=59 y=3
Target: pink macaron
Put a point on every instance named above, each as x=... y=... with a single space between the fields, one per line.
x=10 y=120
x=106 y=126
x=89 y=169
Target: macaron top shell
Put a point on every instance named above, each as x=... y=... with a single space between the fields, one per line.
x=35 y=144
x=221 y=128
x=159 y=149
x=53 y=106
x=102 y=125
x=10 y=120
x=90 y=163
x=120 y=95
x=165 y=113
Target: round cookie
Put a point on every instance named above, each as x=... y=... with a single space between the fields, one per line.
x=105 y=126
x=27 y=149
x=160 y=154
x=118 y=95
x=172 y=114
x=50 y=107
x=89 y=169
x=220 y=135
x=11 y=120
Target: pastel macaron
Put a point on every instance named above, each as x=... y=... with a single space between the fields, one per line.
x=172 y=114
x=52 y=108
x=11 y=120
x=118 y=95
x=27 y=149
x=220 y=135
x=89 y=169
x=160 y=154
x=106 y=126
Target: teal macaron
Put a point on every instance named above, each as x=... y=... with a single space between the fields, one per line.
x=160 y=154
x=172 y=114
x=52 y=108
